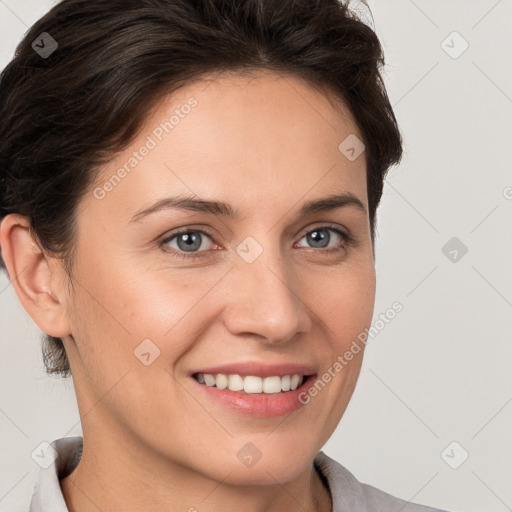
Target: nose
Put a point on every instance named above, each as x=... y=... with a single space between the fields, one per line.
x=267 y=302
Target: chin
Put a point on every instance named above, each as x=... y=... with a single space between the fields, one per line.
x=267 y=461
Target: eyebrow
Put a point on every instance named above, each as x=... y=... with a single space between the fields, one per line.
x=219 y=208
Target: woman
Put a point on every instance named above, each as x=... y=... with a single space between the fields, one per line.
x=189 y=194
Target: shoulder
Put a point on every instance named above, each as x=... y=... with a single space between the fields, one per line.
x=348 y=494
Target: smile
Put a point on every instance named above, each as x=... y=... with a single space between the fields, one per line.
x=251 y=384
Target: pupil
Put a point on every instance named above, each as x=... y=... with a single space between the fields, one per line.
x=319 y=236
x=191 y=241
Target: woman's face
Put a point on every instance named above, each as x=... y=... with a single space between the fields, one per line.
x=271 y=286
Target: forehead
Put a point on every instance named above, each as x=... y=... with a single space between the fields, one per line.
x=253 y=139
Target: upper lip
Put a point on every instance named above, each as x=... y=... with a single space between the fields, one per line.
x=258 y=369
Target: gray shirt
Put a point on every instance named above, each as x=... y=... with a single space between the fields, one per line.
x=347 y=493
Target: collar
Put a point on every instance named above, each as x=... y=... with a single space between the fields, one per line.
x=47 y=496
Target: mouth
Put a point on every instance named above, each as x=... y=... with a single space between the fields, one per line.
x=255 y=388
x=253 y=384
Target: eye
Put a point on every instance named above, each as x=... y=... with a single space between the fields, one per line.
x=187 y=241
x=320 y=237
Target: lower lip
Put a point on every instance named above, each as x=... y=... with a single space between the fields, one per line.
x=259 y=405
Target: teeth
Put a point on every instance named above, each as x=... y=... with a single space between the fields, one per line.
x=294 y=383
x=235 y=383
x=221 y=381
x=272 y=385
x=251 y=383
x=209 y=379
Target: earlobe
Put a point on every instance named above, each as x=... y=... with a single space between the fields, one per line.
x=32 y=277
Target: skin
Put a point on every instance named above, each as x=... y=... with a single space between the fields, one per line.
x=264 y=145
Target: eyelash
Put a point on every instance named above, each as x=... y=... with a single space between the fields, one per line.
x=348 y=241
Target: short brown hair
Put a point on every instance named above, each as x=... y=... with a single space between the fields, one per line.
x=65 y=114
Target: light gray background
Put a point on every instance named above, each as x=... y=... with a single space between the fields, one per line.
x=441 y=370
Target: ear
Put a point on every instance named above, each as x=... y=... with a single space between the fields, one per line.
x=32 y=274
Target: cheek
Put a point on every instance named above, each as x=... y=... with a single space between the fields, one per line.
x=129 y=317
x=357 y=304
x=346 y=306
